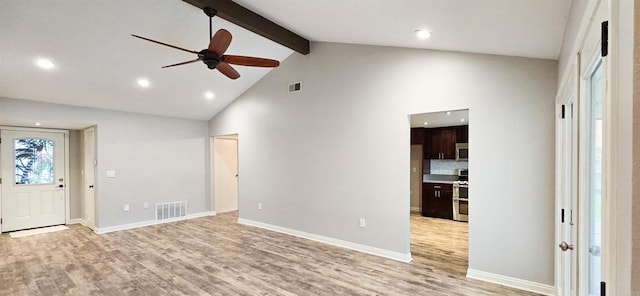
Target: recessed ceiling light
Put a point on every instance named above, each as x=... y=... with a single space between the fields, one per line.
x=423 y=34
x=143 y=82
x=461 y=119
x=209 y=95
x=37 y=123
x=426 y=123
x=45 y=63
x=448 y=112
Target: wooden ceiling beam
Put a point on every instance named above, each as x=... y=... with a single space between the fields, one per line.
x=254 y=22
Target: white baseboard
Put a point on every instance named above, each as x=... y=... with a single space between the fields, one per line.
x=511 y=282
x=415 y=209
x=331 y=241
x=102 y=230
x=76 y=221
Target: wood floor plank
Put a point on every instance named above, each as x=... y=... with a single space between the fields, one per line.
x=218 y=256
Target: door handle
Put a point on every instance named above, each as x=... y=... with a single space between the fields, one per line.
x=564 y=246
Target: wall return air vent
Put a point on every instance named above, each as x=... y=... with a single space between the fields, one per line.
x=171 y=210
x=295 y=87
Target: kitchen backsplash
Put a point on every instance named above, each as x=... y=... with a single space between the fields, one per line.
x=447 y=167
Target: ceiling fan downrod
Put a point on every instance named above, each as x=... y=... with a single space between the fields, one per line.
x=210 y=12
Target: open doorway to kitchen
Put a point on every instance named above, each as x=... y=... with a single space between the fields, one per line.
x=439 y=212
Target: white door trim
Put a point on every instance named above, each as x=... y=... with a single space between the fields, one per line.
x=66 y=162
x=610 y=113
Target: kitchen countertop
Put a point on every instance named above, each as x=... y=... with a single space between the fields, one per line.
x=444 y=179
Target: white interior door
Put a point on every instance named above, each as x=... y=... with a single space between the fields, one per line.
x=567 y=193
x=226 y=174
x=33 y=172
x=89 y=178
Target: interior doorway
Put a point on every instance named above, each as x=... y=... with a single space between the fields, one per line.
x=225 y=160
x=439 y=202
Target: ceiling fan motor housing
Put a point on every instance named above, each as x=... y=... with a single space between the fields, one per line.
x=209 y=58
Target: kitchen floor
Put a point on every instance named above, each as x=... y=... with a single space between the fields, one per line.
x=442 y=242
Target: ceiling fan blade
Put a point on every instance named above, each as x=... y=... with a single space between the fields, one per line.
x=161 y=43
x=183 y=63
x=220 y=42
x=227 y=70
x=250 y=61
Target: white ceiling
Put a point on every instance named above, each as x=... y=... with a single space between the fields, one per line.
x=440 y=119
x=527 y=28
x=98 y=62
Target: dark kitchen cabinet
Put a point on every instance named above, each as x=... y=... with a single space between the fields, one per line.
x=462 y=134
x=417 y=136
x=437 y=200
x=441 y=143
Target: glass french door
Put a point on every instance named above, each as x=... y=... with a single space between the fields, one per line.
x=593 y=199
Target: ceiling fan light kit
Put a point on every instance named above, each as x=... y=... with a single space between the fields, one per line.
x=213 y=56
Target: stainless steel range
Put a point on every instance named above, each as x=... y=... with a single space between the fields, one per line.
x=461 y=201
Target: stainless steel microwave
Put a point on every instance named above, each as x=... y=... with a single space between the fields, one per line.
x=462 y=151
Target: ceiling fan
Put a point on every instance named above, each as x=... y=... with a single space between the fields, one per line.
x=214 y=57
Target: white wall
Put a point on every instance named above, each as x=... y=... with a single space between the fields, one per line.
x=338 y=151
x=156 y=159
x=576 y=15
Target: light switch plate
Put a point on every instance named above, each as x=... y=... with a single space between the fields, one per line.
x=111 y=174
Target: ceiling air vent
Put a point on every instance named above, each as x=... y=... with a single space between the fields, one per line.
x=295 y=87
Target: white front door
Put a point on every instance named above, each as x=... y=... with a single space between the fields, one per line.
x=33 y=184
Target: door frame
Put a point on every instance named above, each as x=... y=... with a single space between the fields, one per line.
x=67 y=218
x=582 y=47
x=568 y=92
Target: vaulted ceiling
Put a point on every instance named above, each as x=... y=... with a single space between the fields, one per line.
x=98 y=62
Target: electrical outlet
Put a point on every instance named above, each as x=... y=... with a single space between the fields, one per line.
x=259 y=206
x=111 y=174
x=126 y=207
x=146 y=205
x=362 y=223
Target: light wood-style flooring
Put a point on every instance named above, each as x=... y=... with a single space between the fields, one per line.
x=217 y=256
